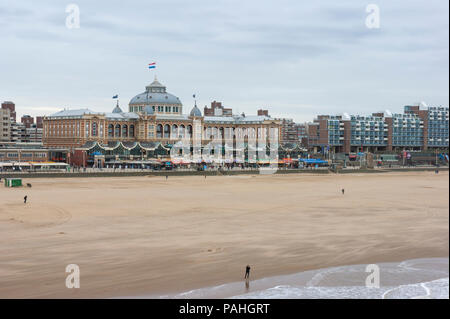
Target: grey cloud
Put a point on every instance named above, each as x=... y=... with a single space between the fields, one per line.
x=248 y=53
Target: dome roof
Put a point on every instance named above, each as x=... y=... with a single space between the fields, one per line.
x=148 y=109
x=117 y=109
x=195 y=111
x=155 y=93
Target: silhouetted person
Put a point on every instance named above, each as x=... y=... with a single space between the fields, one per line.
x=167 y=176
x=247 y=272
x=25 y=199
x=343 y=191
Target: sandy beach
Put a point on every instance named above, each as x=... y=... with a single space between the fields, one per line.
x=147 y=235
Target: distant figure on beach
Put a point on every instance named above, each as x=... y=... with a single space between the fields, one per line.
x=436 y=171
x=343 y=191
x=25 y=199
x=167 y=176
x=247 y=272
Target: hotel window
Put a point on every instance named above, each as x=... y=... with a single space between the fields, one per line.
x=174 y=131
x=151 y=131
x=125 y=130
x=166 y=131
x=94 y=129
x=110 y=130
x=159 y=130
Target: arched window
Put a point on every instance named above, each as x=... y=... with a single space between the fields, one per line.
x=117 y=131
x=181 y=131
x=251 y=132
x=228 y=135
x=174 y=131
x=159 y=130
x=131 y=130
x=110 y=130
x=189 y=131
x=166 y=131
x=125 y=130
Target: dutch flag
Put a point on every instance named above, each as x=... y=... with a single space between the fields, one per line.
x=152 y=65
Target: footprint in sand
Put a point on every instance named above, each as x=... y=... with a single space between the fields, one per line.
x=215 y=250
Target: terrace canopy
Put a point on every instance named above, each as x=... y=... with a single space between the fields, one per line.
x=312 y=161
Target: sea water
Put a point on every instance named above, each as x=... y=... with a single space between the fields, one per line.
x=410 y=279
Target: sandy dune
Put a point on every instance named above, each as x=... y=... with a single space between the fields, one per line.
x=147 y=235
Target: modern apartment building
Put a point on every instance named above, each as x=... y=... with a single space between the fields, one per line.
x=5 y=125
x=33 y=134
x=288 y=131
x=416 y=129
x=217 y=109
x=12 y=109
x=27 y=120
x=18 y=132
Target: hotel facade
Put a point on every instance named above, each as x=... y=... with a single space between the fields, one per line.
x=153 y=124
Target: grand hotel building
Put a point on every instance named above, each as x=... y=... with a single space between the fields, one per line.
x=153 y=123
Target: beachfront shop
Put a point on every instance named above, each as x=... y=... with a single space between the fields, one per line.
x=312 y=162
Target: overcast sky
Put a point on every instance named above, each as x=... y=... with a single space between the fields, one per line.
x=295 y=58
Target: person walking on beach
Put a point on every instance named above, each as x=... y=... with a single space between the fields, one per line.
x=25 y=199
x=343 y=191
x=247 y=272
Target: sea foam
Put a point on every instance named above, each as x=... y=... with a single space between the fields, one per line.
x=410 y=279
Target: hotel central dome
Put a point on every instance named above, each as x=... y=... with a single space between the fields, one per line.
x=158 y=99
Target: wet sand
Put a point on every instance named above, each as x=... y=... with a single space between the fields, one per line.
x=136 y=236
